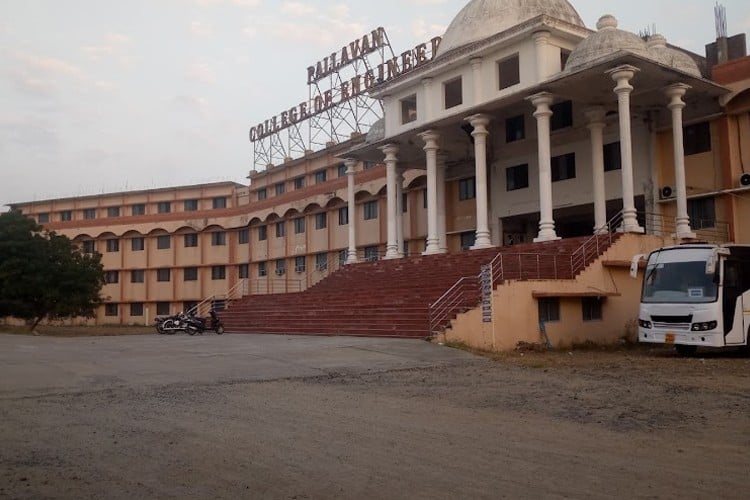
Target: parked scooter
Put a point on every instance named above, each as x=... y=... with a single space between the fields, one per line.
x=189 y=323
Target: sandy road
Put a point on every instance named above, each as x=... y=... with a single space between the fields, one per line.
x=425 y=424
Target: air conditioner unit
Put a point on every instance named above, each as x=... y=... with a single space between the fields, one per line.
x=745 y=180
x=666 y=192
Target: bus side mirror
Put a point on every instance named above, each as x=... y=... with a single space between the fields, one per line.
x=634 y=265
x=714 y=258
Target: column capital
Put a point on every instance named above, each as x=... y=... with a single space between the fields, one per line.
x=541 y=101
x=351 y=164
x=675 y=93
x=426 y=81
x=390 y=151
x=596 y=116
x=541 y=36
x=430 y=138
x=479 y=121
x=622 y=75
x=475 y=61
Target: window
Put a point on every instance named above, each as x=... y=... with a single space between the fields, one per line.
x=280 y=188
x=367 y=165
x=163 y=274
x=111 y=310
x=137 y=244
x=262 y=194
x=111 y=277
x=113 y=211
x=262 y=269
x=468 y=238
x=190 y=274
x=136 y=309
x=409 y=109
x=453 y=93
x=564 y=56
x=563 y=167
x=702 y=213
x=371 y=210
x=515 y=128
x=300 y=264
x=87 y=246
x=299 y=225
x=191 y=240
x=243 y=271
x=508 y=72
x=163 y=241
x=591 y=308
x=113 y=245
x=219 y=202
x=164 y=207
x=321 y=261
x=218 y=273
x=189 y=305
x=516 y=177
x=243 y=236
x=262 y=233
x=341 y=170
x=66 y=215
x=280 y=267
x=43 y=218
x=343 y=216
x=467 y=189
x=89 y=213
x=562 y=115
x=190 y=205
x=549 y=309
x=321 y=220
x=137 y=276
x=299 y=183
x=218 y=239
x=697 y=138
x=162 y=308
x=138 y=209
x=320 y=176
x=280 y=229
x=612 y=158
x=343 y=255
x=372 y=253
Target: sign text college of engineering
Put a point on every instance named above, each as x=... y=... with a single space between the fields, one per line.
x=350 y=88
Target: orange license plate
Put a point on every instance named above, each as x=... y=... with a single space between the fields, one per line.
x=669 y=338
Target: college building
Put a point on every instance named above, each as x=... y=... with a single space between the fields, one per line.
x=543 y=151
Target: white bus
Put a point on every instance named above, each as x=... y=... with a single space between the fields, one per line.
x=695 y=295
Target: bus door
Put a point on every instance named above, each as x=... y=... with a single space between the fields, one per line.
x=735 y=303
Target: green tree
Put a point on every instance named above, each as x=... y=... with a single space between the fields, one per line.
x=45 y=275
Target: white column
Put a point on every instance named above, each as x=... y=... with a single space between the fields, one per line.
x=542 y=114
x=427 y=101
x=430 y=138
x=622 y=75
x=351 y=254
x=390 y=150
x=676 y=105
x=541 y=40
x=442 y=229
x=400 y=211
x=595 y=116
x=476 y=76
x=480 y=133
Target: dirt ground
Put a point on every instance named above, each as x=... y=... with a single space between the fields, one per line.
x=629 y=423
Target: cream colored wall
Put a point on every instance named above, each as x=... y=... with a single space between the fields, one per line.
x=619 y=311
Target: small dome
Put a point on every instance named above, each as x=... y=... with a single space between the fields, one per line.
x=480 y=19
x=608 y=40
x=657 y=48
x=376 y=132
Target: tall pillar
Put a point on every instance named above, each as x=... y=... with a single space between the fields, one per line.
x=430 y=138
x=476 y=76
x=541 y=40
x=542 y=114
x=480 y=133
x=676 y=105
x=351 y=254
x=442 y=229
x=595 y=116
x=622 y=75
x=400 y=211
x=390 y=150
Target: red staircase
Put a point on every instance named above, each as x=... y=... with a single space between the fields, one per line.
x=391 y=297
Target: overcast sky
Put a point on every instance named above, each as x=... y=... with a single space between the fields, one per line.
x=102 y=95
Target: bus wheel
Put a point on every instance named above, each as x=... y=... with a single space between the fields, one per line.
x=686 y=350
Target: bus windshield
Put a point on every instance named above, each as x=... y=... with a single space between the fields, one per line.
x=679 y=276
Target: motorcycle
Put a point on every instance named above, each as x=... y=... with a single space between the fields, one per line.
x=189 y=323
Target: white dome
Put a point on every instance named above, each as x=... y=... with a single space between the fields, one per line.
x=657 y=48
x=604 y=42
x=480 y=19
